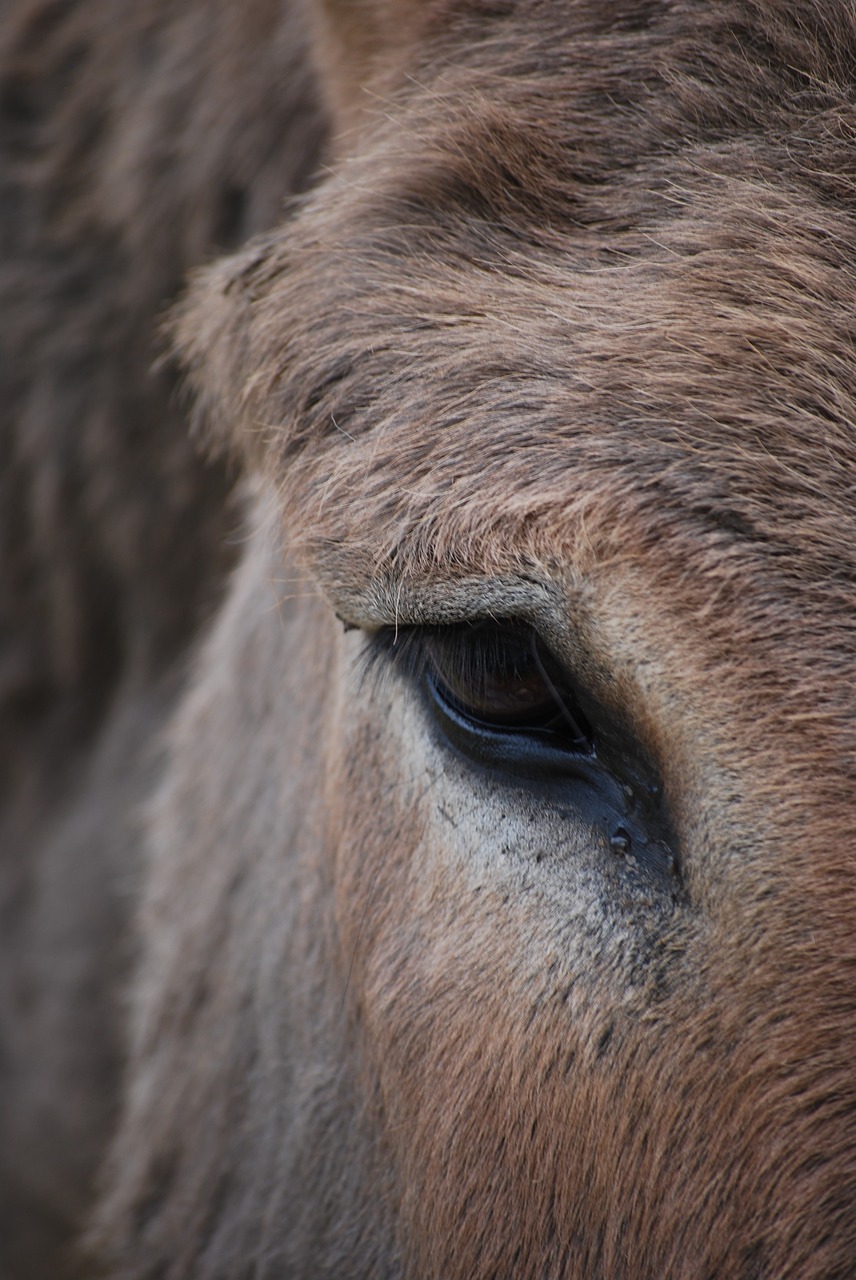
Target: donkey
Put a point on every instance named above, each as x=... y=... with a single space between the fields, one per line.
x=428 y=836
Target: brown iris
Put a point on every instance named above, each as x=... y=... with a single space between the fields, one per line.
x=501 y=679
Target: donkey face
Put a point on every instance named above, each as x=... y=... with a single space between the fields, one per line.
x=509 y=929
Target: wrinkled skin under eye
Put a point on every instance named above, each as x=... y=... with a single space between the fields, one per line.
x=499 y=698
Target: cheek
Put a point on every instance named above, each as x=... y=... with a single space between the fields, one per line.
x=489 y=950
x=450 y=873
x=439 y=884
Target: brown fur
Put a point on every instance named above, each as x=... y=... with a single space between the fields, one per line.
x=566 y=332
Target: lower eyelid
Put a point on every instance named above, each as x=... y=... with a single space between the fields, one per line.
x=539 y=757
x=547 y=723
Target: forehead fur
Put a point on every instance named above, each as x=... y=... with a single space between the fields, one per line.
x=593 y=273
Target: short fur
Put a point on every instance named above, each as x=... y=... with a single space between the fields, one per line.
x=563 y=329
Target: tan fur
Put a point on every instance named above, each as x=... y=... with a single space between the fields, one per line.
x=565 y=333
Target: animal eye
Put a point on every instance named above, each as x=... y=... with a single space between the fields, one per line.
x=498 y=678
x=498 y=696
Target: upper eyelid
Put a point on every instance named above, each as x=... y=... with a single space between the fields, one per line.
x=388 y=603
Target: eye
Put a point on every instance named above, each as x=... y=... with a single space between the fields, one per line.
x=502 y=680
x=496 y=694
x=495 y=689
